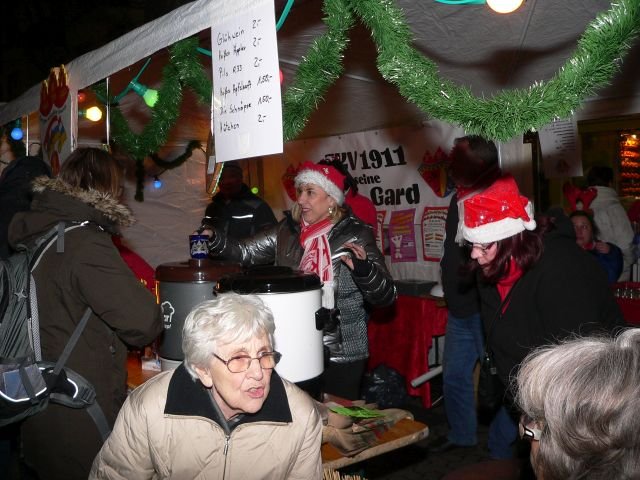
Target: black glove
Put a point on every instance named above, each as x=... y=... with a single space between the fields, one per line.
x=327 y=319
x=207 y=222
x=361 y=268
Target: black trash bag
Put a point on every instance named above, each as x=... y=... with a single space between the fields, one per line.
x=385 y=387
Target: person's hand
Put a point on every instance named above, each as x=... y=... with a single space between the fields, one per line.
x=357 y=261
x=205 y=231
x=603 y=247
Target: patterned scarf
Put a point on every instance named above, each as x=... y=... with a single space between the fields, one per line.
x=317 y=256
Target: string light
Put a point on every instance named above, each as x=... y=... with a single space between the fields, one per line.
x=157 y=183
x=16 y=131
x=255 y=190
x=92 y=113
x=149 y=95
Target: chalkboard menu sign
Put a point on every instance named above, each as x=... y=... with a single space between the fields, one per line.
x=247 y=109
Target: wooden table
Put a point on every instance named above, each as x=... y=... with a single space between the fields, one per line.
x=135 y=375
x=403 y=433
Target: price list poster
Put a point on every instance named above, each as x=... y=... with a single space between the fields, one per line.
x=247 y=108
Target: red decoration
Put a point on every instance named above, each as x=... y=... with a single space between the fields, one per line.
x=54 y=91
x=574 y=194
x=288 y=181
x=433 y=170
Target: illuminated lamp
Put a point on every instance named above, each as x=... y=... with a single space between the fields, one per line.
x=16 y=131
x=157 y=183
x=149 y=95
x=255 y=190
x=92 y=113
x=504 y=6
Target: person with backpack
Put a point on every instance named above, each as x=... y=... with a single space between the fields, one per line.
x=61 y=442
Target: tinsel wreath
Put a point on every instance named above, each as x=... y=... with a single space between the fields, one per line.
x=509 y=113
x=183 y=69
x=512 y=112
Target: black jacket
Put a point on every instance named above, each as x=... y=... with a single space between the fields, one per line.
x=459 y=287
x=15 y=193
x=242 y=216
x=565 y=293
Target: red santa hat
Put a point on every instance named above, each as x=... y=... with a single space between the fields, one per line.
x=496 y=213
x=325 y=176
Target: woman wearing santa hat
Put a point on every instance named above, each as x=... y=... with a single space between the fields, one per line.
x=322 y=237
x=536 y=285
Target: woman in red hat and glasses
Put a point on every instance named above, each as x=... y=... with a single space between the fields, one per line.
x=322 y=237
x=536 y=285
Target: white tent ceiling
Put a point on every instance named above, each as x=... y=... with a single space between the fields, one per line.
x=471 y=45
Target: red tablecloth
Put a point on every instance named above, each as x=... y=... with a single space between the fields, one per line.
x=628 y=298
x=400 y=336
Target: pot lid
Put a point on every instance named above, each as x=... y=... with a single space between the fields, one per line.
x=195 y=270
x=269 y=279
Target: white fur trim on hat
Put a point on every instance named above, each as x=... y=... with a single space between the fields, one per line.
x=499 y=230
x=309 y=176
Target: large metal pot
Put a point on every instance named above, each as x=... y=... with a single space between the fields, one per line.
x=182 y=286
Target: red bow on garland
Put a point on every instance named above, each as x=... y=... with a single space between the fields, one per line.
x=574 y=194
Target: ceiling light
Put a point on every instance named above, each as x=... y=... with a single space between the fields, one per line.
x=504 y=6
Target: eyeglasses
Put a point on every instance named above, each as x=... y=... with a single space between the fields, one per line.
x=483 y=247
x=526 y=431
x=242 y=363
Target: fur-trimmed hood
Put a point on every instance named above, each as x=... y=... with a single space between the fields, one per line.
x=103 y=202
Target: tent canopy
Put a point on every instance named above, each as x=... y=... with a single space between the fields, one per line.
x=471 y=45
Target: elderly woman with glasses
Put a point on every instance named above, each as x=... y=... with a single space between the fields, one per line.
x=223 y=413
x=536 y=285
x=581 y=400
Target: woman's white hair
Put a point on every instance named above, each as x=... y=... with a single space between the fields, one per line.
x=585 y=396
x=228 y=318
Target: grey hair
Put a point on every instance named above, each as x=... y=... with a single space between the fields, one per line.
x=228 y=318
x=585 y=396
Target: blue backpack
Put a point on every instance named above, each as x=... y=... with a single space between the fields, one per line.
x=27 y=383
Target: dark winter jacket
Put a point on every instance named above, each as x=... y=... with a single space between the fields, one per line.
x=565 y=293
x=459 y=288
x=61 y=442
x=242 y=216
x=281 y=244
x=15 y=192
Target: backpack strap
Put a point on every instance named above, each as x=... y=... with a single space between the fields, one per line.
x=55 y=234
x=93 y=408
x=71 y=343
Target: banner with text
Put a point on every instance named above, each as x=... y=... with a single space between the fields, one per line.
x=403 y=171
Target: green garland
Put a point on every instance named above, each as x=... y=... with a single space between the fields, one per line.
x=509 y=113
x=592 y=66
x=318 y=71
x=183 y=68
